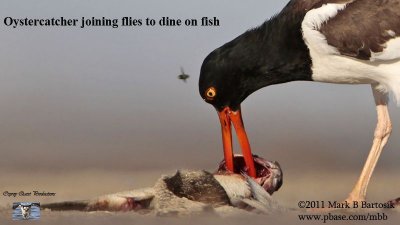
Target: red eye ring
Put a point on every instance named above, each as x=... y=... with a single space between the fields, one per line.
x=211 y=92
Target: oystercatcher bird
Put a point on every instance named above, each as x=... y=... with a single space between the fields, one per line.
x=334 y=41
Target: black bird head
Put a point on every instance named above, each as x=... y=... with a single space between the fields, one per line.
x=225 y=81
x=270 y=54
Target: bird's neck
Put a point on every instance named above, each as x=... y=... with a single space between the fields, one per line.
x=274 y=52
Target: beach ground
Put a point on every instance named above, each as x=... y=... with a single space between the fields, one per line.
x=80 y=185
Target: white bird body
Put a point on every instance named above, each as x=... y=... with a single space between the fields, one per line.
x=382 y=69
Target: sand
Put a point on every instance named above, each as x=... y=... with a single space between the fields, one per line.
x=79 y=185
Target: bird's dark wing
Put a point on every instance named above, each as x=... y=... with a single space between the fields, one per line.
x=37 y=204
x=364 y=26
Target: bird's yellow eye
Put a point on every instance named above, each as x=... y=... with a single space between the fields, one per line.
x=211 y=93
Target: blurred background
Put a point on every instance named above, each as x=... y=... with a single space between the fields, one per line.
x=107 y=99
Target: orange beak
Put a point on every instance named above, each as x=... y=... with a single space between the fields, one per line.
x=226 y=116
